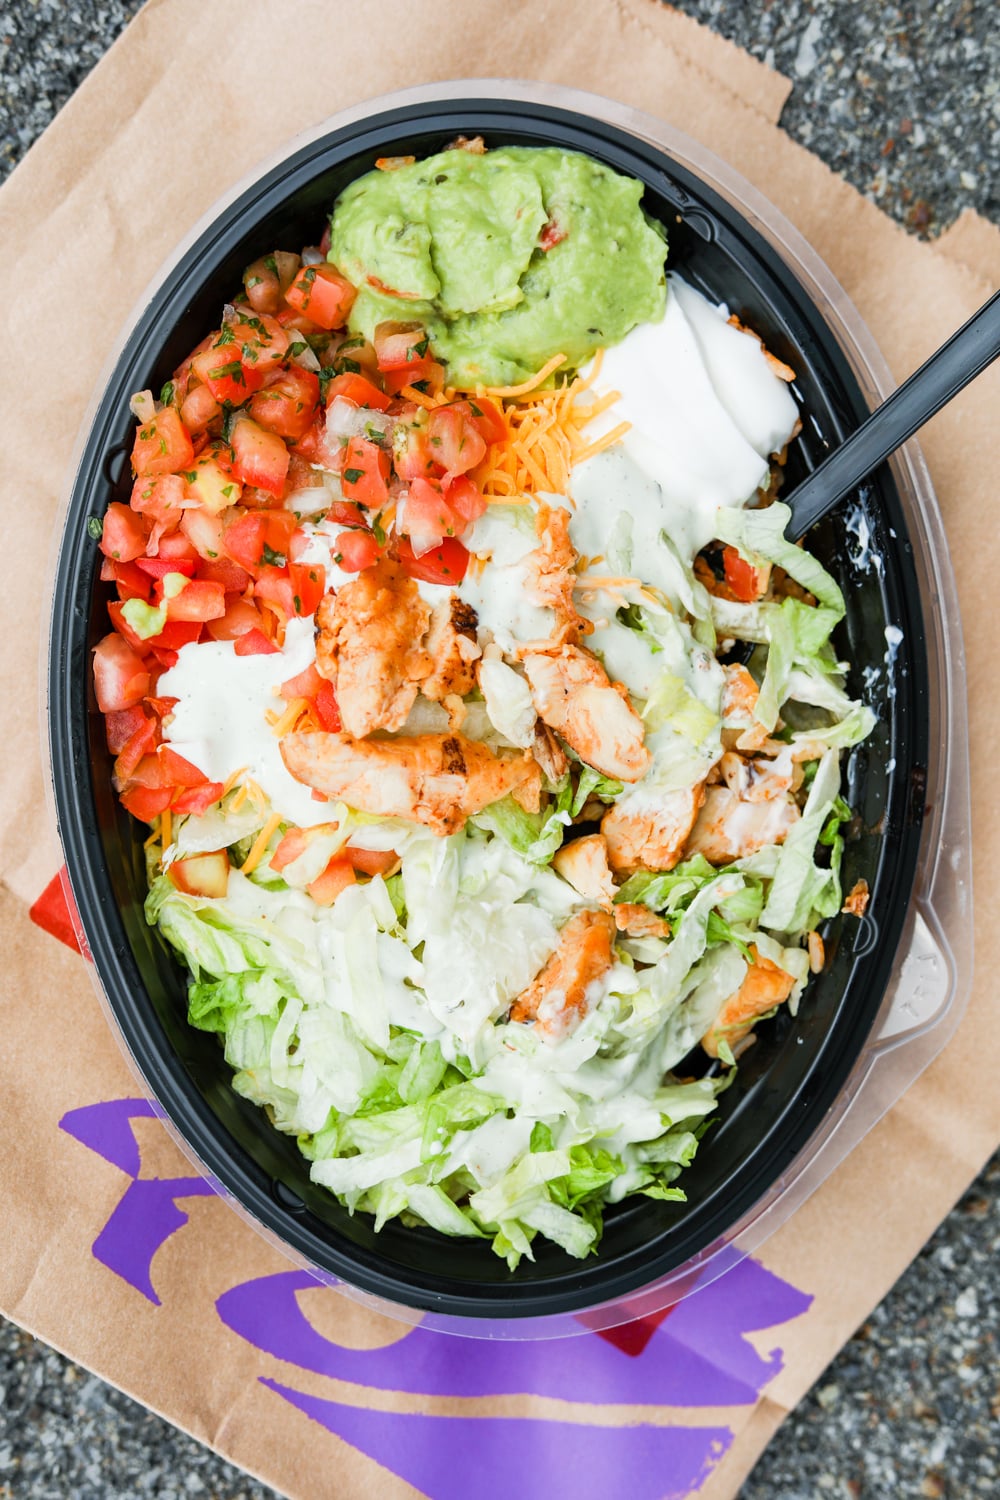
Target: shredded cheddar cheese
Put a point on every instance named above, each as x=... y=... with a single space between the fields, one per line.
x=231 y=781
x=546 y=434
x=260 y=843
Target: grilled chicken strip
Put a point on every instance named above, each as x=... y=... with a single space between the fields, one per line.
x=764 y=987
x=453 y=649
x=435 y=779
x=368 y=644
x=729 y=828
x=652 y=838
x=557 y=999
x=574 y=696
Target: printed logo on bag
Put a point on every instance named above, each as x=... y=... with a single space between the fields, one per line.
x=693 y=1357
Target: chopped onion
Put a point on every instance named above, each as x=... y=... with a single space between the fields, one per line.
x=142 y=406
x=345 y=420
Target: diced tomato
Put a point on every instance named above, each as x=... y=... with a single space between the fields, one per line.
x=354 y=550
x=198 y=409
x=241 y=618
x=274 y=588
x=425 y=373
x=444 y=564
x=130 y=581
x=327 y=710
x=178 y=770
x=260 y=457
x=182 y=376
x=346 y=513
x=322 y=294
x=552 y=234
x=416 y=460
x=164 y=659
x=159 y=567
x=262 y=341
x=263 y=285
x=427 y=516
x=243 y=539
x=211 y=484
x=198 y=799
x=365 y=475
x=159 y=496
x=223 y=370
x=176 y=545
x=124 y=629
x=124 y=535
x=303 y=685
x=399 y=345
x=121 y=724
x=357 y=389
x=162 y=706
x=337 y=876
x=163 y=445
x=372 y=861
x=455 y=440
x=308 y=586
x=488 y=418
x=146 y=803
x=296 y=841
x=141 y=743
x=254 y=643
x=291 y=846
x=287 y=404
x=234 y=579
x=201 y=874
x=200 y=599
x=745 y=581
x=466 y=501
x=175 y=634
x=120 y=678
x=205 y=532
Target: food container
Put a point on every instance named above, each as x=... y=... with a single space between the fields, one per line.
x=895 y=982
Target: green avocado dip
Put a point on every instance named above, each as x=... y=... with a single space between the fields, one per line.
x=507 y=258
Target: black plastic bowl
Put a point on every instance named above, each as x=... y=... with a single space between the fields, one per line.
x=790 y=1080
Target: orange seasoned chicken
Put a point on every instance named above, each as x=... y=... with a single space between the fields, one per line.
x=739 y=699
x=453 y=650
x=435 y=779
x=764 y=987
x=584 y=864
x=638 y=921
x=573 y=695
x=557 y=999
x=730 y=828
x=653 y=837
x=549 y=575
x=368 y=643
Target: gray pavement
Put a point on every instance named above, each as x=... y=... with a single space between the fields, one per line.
x=904 y=100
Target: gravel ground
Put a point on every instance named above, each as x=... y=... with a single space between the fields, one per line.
x=904 y=100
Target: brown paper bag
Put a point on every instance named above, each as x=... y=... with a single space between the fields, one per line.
x=116 y=1251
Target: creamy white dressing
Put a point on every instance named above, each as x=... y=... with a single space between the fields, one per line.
x=219 y=723
x=499 y=593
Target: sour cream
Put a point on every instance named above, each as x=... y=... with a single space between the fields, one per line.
x=697 y=403
x=219 y=722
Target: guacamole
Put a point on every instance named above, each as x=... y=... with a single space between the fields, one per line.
x=507 y=258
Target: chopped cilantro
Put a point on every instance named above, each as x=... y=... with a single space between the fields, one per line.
x=273 y=559
x=353 y=476
x=95 y=527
